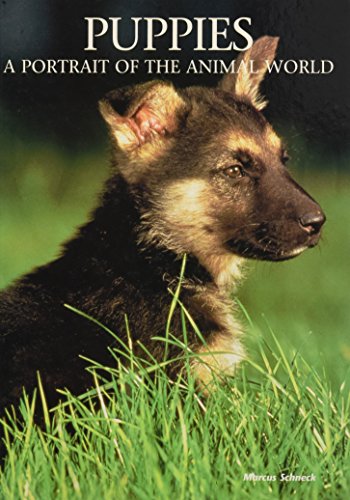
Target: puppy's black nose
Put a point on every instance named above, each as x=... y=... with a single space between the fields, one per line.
x=313 y=221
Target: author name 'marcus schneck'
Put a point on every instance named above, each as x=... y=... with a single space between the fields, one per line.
x=283 y=477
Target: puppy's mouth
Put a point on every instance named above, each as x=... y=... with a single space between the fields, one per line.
x=286 y=255
x=270 y=249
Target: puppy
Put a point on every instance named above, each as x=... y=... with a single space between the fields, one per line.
x=197 y=171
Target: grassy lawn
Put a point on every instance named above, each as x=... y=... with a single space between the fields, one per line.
x=287 y=412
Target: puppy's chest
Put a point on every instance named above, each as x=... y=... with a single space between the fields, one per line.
x=213 y=311
x=222 y=350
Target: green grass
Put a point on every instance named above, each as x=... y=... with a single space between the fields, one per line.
x=287 y=409
x=139 y=435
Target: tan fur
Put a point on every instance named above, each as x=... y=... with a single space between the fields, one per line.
x=224 y=350
x=181 y=208
x=245 y=84
x=272 y=139
x=219 y=358
x=147 y=153
x=239 y=140
x=226 y=269
x=247 y=88
x=184 y=208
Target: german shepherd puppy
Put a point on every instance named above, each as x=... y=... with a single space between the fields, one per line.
x=196 y=171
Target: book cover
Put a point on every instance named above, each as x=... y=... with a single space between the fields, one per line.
x=174 y=249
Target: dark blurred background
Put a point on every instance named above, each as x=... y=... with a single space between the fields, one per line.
x=64 y=107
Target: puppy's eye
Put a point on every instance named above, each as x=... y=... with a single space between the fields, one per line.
x=233 y=172
x=285 y=157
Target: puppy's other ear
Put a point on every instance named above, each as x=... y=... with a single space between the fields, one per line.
x=142 y=118
x=244 y=84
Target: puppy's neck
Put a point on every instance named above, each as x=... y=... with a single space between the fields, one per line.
x=115 y=225
x=226 y=269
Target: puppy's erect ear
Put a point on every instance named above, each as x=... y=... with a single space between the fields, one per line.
x=244 y=84
x=142 y=118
